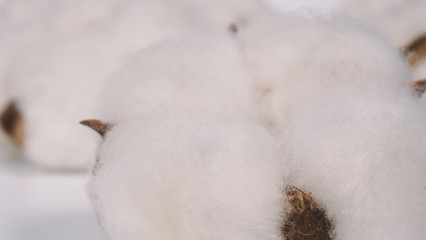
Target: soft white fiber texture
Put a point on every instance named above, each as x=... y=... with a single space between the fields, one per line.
x=294 y=57
x=57 y=57
x=360 y=150
x=216 y=77
x=25 y=22
x=303 y=7
x=352 y=129
x=35 y=74
x=56 y=85
x=401 y=21
x=56 y=81
x=183 y=159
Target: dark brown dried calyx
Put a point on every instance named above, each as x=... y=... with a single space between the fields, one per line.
x=416 y=51
x=12 y=123
x=101 y=127
x=418 y=87
x=306 y=221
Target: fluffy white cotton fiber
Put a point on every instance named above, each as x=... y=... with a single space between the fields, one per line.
x=293 y=58
x=56 y=80
x=183 y=159
x=58 y=56
x=304 y=7
x=352 y=129
x=401 y=21
x=33 y=37
x=360 y=151
x=26 y=22
x=54 y=86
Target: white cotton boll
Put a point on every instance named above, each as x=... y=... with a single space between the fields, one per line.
x=294 y=57
x=182 y=178
x=183 y=159
x=56 y=85
x=360 y=151
x=56 y=82
x=193 y=70
x=401 y=21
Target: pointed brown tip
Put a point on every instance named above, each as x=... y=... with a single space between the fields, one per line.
x=416 y=51
x=101 y=127
x=418 y=87
x=233 y=28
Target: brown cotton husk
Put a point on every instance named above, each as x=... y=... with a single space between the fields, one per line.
x=101 y=127
x=418 y=87
x=306 y=221
x=12 y=123
x=416 y=51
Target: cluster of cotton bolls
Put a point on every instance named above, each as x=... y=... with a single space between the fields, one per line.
x=56 y=58
x=211 y=114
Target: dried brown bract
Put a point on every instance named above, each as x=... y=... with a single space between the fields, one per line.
x=306 y=221
x=418 y=87
x=12 y=123
x=101 y=127
x=416 y=51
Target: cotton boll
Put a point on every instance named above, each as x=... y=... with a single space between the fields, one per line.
x=56 y=83
x=294 y=57
x=360 y=151
x=183 y=159
x=54 y=86
x=182 y=178
x=183 y=66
